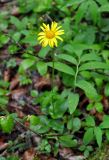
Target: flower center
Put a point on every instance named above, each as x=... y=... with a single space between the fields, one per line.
x=50 y=34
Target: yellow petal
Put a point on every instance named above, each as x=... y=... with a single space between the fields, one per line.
x=40 y=37
x=54 y=25
x=55 y=42
x=51 y=43
x=58 y=37
x=44 y=25
x=58 y=28
x=59 y=33
x=45 y=43
x=41 y=34
x=42 y=28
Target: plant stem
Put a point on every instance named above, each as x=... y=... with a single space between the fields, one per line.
x=52 y=80
x=76 y=74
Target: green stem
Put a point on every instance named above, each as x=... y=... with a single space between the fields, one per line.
x=52 y=80
x=76 y=74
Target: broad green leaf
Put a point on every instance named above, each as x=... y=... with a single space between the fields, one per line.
x=88 y=136
x=73 y=100
x=106 y=90
x=34 y=120
x=57 y=125
x=42 y=5
x=90 y=122
x=107 y=134
x=76 y=124
x=67 y=141
x=90 y=57
x=88 y=88
x=67 y=58
x=104 y=8
x=42 y=67
x=81 y=11
x=58 y=109
x=43 y=52
x=27 y=63
x=99 y=106
x=39 y=124
x=98 y=135
x=93 y=65
x=16 y=22
x=94 y=11
x=62 y=67
x=7 y=124
x=105 y=123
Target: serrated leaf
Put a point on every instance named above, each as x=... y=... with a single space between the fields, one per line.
x=98 y=135
x=73 y=100
x=62 y=67
x=93 y=65
x=88 y=136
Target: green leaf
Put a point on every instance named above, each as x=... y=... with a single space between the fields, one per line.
x=76 y=124
x=88 y=88
x=106 y=90
x=94 y=11
x=43 y=52
x=58 y=109
x=7 y=124
x=67 y=141
x=42 y=67
x=3 y=100
x=39 y=124
x=34 y=120
x=90 y=122
x=57 y=125
x=107 y=134
x=99 y=106
x=98 y=135
x=42 y=5
x=105 y=123
x=73 y=100
x=104 y=8
x=67 y=58
x=93 y=65
x=34 y=93
x=90 y=57
x=81 y=11
x=16 y=22
x=62 y=67
x=27 y=63
x=88 y=136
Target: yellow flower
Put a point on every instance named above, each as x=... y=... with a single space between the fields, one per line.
x=50 y=34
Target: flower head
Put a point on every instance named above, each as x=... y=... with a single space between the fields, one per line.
x=50 y=34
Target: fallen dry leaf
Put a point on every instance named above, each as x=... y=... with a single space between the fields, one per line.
x=18 y=93
x=29 y=154
x=14 y=82
x=7 y=75
x=42 y=83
